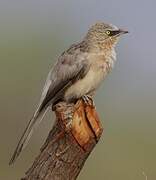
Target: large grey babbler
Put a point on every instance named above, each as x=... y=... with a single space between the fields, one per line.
x=77 y=73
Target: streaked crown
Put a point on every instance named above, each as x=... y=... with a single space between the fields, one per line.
x=101 y=33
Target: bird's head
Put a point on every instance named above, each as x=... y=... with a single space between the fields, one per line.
x=104 y=35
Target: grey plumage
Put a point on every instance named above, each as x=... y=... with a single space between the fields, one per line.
x=78 y=72
x=56 y=84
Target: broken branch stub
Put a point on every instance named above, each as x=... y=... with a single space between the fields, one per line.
x=69 y=143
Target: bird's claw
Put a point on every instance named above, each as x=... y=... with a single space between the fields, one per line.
x=87 y=99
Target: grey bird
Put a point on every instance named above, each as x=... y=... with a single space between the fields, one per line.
x=77 y=74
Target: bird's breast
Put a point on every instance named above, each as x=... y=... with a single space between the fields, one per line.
x=88 y=83
x=100 y=65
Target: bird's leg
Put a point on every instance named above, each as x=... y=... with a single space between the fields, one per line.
x=88 y=100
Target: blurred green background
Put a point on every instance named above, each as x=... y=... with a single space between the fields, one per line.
x=32 y=35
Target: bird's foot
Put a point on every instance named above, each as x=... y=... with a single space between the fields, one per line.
x=87 y=99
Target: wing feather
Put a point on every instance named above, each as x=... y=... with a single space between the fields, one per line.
x=69 y=68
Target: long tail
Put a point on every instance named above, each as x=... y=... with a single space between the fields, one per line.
x=34 y=121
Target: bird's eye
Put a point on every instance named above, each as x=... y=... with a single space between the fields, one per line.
x=108 y=32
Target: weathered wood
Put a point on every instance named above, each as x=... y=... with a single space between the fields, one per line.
x=69 y=143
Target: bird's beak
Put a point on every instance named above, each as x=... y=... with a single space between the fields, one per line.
x=119 y=32
x=122 y=31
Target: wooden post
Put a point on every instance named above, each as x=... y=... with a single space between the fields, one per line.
x=68 y=145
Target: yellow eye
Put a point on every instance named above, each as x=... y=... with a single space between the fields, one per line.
x=108 y=32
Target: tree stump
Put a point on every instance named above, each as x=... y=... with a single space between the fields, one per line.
x=69 y=143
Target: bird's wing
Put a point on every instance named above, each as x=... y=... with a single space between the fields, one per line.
x=69 y=68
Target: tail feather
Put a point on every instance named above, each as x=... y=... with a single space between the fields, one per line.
x=26 y=135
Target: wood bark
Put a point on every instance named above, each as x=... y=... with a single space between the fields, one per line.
x=69 y=143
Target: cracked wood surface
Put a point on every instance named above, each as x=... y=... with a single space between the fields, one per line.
x=69 y=143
